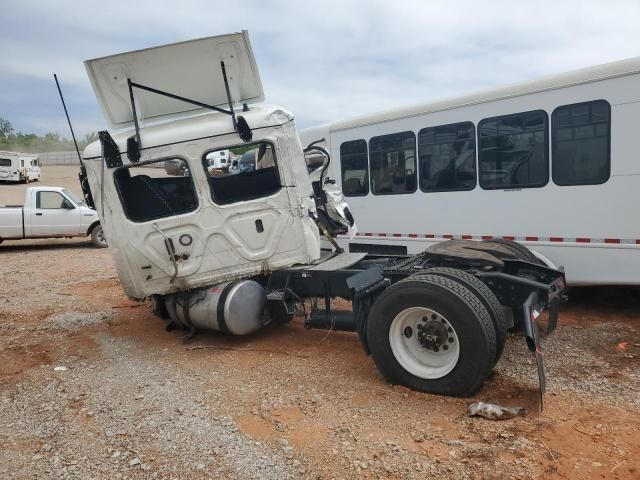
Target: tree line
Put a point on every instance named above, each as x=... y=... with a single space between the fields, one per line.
x=32 y=143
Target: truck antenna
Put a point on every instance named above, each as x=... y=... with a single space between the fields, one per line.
x=64 y=105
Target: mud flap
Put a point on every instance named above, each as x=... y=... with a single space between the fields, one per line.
x=531 y=312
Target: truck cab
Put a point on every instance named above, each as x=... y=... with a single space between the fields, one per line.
x=219 y=224
x=235 y=250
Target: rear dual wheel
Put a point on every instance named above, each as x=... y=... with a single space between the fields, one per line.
x=432 y=334
x=488 y=299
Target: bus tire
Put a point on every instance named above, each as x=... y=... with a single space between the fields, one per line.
x=520 y=251
x=97 y=237
x=432 y=334
x=486 y=296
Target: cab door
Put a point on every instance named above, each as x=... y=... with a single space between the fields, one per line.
x=53 y=215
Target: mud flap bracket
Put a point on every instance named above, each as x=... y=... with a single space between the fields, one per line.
x=532 y=308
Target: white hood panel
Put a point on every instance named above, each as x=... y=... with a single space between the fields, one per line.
x=187 y=69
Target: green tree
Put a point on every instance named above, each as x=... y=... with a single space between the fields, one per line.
x=5 y=128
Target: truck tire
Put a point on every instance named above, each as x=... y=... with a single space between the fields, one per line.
x=432 y=334
x=519 y=250
x=487 y=298
x=97 y=237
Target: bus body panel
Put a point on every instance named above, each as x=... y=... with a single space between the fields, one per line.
x=591 y=230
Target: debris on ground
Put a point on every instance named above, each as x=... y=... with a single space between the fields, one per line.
x=493 y=411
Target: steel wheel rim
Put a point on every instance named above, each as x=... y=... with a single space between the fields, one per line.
x=410 y=352
x=100 y=237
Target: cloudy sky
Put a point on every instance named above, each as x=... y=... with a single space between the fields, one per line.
x=323 y=61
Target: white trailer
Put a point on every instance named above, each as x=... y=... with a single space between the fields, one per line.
x=19 y=167
x=551 y=164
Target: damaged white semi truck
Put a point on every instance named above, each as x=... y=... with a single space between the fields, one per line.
x=237 y=250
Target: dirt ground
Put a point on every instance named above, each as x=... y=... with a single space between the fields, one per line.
x=92 y=386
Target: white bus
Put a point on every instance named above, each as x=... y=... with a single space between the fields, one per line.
x=552 y=164
x=19 y=167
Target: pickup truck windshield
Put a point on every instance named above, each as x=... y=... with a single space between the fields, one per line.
x=74 y=198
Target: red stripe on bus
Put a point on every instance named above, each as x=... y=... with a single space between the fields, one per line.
x=449 y=236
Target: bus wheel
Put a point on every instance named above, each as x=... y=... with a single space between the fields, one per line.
x=432 y=334
x=486 y=296
x=520 y=251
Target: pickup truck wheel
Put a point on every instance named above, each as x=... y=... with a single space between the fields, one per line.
x=432 y=334
x=487 y=298
x=97 y=237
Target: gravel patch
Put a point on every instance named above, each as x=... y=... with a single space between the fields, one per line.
x=74 y=320
x=579 y=359
x=128 y=416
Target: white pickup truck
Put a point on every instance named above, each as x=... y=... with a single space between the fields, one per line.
x=50 y=212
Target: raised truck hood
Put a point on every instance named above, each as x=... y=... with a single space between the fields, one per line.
x=188 y=69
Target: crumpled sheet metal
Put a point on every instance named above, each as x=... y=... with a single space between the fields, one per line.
x=493 y=411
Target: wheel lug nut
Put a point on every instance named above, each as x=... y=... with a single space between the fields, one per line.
x=450 y=339
x=445 y=347
x=449 y=329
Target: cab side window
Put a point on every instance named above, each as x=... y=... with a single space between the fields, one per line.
x=49 y=200
x=157 y=189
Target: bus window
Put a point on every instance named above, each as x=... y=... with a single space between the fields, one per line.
x=581 y=145
x=447 y=157
x=354 y=168
x=393 y=163
x=514 y=151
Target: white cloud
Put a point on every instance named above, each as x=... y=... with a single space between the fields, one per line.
x=322 y=60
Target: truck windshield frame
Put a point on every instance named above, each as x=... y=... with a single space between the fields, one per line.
x=263 y=180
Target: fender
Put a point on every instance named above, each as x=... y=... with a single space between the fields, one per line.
x=92 y=226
